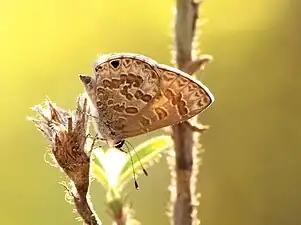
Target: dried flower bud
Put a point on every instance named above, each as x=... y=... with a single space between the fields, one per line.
x=67 y=134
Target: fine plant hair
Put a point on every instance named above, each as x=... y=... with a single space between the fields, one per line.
x=74 y=151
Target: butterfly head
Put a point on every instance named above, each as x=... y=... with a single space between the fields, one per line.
x=119 y=145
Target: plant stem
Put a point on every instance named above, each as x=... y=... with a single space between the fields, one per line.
x=84 y=209
x=185 y=139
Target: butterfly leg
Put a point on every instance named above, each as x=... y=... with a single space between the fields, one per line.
x=94 y=138
x=87 y=114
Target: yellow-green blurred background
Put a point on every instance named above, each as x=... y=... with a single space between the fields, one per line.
x=251 y=166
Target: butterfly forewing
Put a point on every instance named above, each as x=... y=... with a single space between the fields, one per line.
x=181 y=97
x=125 y=84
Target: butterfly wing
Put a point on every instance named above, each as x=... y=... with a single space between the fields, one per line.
x=181 y=97
x=125 y=84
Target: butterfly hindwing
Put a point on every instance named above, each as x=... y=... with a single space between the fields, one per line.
x=181 y=97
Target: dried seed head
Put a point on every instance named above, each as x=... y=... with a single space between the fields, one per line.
x=67 y=134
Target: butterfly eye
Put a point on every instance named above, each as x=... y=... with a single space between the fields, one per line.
x=119 y=144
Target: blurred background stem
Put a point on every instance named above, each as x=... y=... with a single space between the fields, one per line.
x=183 y=164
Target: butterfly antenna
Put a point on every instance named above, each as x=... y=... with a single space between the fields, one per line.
x=143 y=169
x=133 y=168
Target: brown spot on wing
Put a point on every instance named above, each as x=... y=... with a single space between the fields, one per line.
x=119 y=107
x=100 y=90
x=130 y=78
x=139 y=94
x=182 y=109
x=176 y=99
x=118 y=124
x=146 y=98
x=106 y=83
x=124 y=90
x=138 y=81
x=123 y=78
x=110 y=101
x=99 y=104
x=131 y=110
x=129 y=96
x=115 y=83
x=161 y=113
x=167 y=76
x=98 y=68
x=127 y=62
x=154 y=75
x=169 y=94
x=144 y=121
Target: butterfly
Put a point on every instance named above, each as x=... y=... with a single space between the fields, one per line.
x=130 y=95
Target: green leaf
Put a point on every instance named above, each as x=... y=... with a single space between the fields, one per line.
x=113 y=169
x=107 y=167
x=148 y=153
